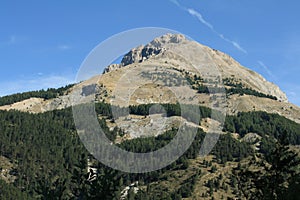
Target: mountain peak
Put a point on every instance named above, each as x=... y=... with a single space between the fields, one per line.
x=167 y=39
x=163 y=50
x=246 y=90
x=155 y=47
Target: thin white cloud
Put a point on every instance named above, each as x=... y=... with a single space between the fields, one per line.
x=238 y=46
x=175 y=2
x=201 y=19
x=35 y=83
x=235 y=44
x=266 y=69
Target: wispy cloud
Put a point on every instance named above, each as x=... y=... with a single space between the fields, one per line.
x=235 y=44
x=35 y=83
x=238 y=47
x=266 y=68
x=201 y=19
x=175 y=2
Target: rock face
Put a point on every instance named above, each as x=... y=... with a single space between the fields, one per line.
x=157 y=46
x=140 y=54
x=112 y=67
x=169 y=57
x=161 y=49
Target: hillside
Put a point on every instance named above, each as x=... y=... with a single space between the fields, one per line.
x=256 y=156
x=173 y=54
x=42 y=157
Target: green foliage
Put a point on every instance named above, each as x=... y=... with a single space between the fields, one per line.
x=8 y=191
x=235 y=87
x=148 y=144
x=213 y=184
x=157 y=193
x=52 y=160
x=267 y=145
x=44 y=94
x=143 y=145
x=230 y=149
x=45 y=150
x=264 y=124
x=191 y=112
x=108 y=185
x=238 y=88
x=51 y=163
x=248 y=91
x=276 y=179
x=187 y=188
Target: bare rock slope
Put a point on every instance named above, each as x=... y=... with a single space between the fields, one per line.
x=162 y=49
x=144 y=70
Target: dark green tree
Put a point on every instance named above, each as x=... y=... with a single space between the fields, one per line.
x=276 y=178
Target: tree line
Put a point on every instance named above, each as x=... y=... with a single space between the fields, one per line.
x=50 y=162
x=44 y=94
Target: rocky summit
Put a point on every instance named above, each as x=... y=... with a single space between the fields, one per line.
x=174 y=54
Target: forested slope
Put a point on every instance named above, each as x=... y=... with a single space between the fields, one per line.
x=50 y=161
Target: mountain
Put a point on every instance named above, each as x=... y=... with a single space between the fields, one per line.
x=165 y=52
x=162 y=48
x=139 y=106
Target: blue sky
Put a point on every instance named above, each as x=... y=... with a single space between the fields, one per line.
x=43 y=43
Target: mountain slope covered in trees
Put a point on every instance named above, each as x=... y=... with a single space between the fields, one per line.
x=50 y=162
x=256 y=155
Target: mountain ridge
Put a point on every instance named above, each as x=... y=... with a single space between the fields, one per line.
x=162 y=44
x=160 y=52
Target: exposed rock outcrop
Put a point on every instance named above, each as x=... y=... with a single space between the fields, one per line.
x=172 y=52
x=162 y=49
